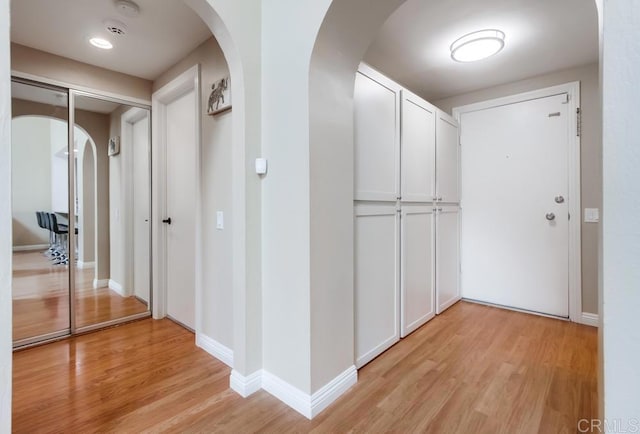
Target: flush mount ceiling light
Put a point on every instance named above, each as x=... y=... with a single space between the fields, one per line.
x=477 y=45
x=101 y=43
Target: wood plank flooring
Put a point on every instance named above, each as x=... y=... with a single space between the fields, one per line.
x=474 y=369
x=41 y=298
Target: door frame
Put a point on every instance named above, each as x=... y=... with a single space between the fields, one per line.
x=572 y=89
x=186 y=82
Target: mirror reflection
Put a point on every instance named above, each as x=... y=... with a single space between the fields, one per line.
x=108 y=252
x=112 y=210
x=40 y=212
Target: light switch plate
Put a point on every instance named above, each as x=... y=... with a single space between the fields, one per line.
x=219 y=220
x=591 y=215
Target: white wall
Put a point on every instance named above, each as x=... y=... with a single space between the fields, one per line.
x=59 y=166
x=237 y=28
x=31 y=178
x=5 y=222
x=590 y=158
x=217 y=183
x=621 y=217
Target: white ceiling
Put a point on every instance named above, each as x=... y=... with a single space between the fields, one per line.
x=541 y=36
x=163 y=33
x=412 y=47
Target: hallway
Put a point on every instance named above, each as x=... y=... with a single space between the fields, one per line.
x=473 y=369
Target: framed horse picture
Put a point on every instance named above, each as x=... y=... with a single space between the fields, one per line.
x=220 y=97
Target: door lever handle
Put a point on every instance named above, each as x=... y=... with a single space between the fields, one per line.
x=167 y=221
x=550 y=216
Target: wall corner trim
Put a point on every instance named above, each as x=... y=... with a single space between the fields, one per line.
x=117 y=288
x=100 y=283
x=216 y=349
x=245 y=386
x=590 y=319
x=331 y=391
x=309 y=405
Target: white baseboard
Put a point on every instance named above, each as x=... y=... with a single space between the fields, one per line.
x=100 y=283
x=245 y=386
x=117 y=288
x=331 y=391
x=285 y=392
x=215 y=348
x=590 y=319
x=30 y=248
x=309 y=405
x=81 y=265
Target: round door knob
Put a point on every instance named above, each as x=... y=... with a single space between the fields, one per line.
x=550 y=216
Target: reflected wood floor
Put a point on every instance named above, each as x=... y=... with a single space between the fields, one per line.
x=474 y=369
x=41 y=297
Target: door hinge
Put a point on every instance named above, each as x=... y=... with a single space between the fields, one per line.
x=578 y=122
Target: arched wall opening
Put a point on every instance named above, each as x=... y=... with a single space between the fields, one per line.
x=236 y=35
x=86 y=177
x=346 y=32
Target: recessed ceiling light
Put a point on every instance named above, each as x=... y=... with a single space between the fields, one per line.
x=101 y=43
x=477 y=45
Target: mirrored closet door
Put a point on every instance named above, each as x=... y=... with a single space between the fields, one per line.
x=81 y=212
x=40 y=212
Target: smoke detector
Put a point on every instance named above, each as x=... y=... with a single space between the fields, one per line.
x=115 y=27
x=127 y=8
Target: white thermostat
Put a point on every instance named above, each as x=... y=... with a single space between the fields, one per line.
x=261 y=166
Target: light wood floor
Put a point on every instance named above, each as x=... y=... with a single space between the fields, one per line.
x=474 y=369
x=41 y=297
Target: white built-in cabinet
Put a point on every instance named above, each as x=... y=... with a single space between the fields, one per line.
x=417 y=234
x=377 y=271
x=447 y=256
x=376 y=137
x=406 y=212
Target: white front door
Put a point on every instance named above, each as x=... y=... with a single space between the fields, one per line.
x=515 y=229
x=181 y=118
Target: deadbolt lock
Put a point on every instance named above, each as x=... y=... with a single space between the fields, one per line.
x=559 y=199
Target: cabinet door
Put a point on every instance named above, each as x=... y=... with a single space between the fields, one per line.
x=376 y=280
x=417 y=267
x=447 y=159
x=447 y=257
x=376 y=136
x=417 y=150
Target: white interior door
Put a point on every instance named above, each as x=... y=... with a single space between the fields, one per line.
x=447 y=257
x=417 y=176
x=141 y=209
x=417 y=274
x=376 y=280
x=181 y=118
x=515 y=243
